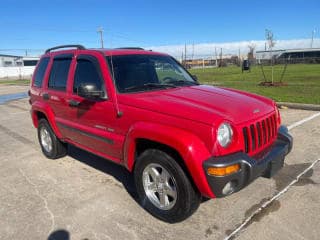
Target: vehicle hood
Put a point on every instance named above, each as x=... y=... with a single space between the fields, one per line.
x=202 y=103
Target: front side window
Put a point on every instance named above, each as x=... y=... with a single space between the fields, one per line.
x=134 y=73
x=59 y=73
x=87 y=73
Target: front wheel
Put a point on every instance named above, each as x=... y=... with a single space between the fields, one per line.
x=163 y=188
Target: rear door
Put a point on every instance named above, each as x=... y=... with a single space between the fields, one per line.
x=56 y=91
x=92 y=121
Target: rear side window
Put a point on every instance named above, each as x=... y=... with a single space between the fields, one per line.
x=59 y=73
x=41 y=70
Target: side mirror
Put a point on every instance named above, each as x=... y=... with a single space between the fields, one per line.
x=90 y=91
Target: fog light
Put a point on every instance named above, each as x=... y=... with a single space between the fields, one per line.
x=229 y=188
x=223 y=171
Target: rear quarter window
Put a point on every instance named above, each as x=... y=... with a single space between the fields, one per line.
x=40 y=72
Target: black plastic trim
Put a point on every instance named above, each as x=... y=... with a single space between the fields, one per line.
x=106 y=140
x=131 y=48
x=64 y=56
x=265 y=164
x=45 y=96
x=77 y=46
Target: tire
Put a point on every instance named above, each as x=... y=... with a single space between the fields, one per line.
x=51 y=146
x=163 y=188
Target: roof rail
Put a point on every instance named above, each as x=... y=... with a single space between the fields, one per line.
x=77 y=46
x=131 y=48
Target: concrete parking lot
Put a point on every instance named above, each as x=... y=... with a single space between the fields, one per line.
x=82 y=196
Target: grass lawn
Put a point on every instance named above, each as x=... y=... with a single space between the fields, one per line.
x=15 y=82
x=303 y=81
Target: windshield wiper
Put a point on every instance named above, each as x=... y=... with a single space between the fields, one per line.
x=182 y=82
x=149 y=85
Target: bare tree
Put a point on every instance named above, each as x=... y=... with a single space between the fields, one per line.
x=270 y=39
x=271 y=43
x=252 y=46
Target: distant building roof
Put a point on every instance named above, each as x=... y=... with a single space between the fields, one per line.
x=30 y=58
x=5 y=55
x=291 y=50
x=299 y=53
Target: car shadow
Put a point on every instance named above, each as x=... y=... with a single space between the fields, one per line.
x=106 y=166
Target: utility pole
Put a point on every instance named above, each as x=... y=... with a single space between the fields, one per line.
x=312 y=36
x=185 y=53
x=192 y=51
x=100 y=30
x=220 y=57
x=215 y=49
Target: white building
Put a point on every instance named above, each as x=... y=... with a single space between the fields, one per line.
x=10 y=61
x=301 y=53
x=17 y=66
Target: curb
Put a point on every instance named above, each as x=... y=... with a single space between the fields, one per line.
x=302 y=106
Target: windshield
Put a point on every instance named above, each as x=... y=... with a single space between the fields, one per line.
x=135 y=73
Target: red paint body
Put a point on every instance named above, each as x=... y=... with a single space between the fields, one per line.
x=184 y=118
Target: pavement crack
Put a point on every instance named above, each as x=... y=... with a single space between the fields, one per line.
x=11 y=105
x=51 y=215
x=272 y=202
x=16 y=136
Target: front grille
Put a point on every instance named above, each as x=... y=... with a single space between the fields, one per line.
x=259 y=134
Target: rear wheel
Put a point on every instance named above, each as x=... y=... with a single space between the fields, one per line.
x=51 y=146
x=163 y=188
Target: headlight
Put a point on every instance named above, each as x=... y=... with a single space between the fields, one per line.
x=224 y=134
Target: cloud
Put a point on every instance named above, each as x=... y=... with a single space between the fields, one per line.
x=207 y=50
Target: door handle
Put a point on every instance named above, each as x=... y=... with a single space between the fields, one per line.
x=45 y=96
x=74 y=103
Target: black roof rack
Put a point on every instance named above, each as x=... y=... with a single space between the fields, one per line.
x=131 y=48
x=77 y=46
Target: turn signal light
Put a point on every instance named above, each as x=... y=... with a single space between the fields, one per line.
x=223 y=171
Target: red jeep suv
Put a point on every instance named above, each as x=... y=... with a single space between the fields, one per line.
x=141 y=109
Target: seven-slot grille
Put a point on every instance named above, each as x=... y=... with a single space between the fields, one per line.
x=259 y=134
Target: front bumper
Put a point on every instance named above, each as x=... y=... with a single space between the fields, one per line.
x=265 y=165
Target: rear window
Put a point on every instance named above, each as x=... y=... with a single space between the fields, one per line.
x=41 y=70
x=59 y=73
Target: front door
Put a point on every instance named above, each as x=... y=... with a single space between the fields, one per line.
x=93 y=120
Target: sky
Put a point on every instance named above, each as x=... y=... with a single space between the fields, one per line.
x=165 y=25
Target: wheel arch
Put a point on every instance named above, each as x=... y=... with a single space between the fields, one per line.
x=40 y=111
x=142 y=144
x=185 y=147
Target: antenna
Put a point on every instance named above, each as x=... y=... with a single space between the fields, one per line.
x=119 y=113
